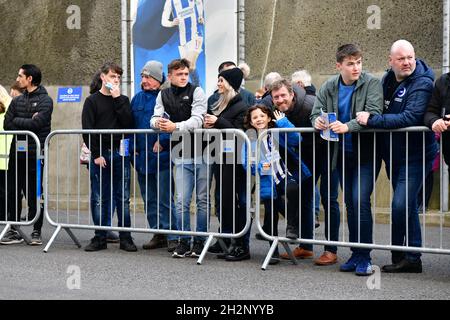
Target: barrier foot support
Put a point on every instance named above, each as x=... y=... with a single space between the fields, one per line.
x=58 y=229
x=70 y=233
x=205 y=250
x=289 y=252
x=270 y=254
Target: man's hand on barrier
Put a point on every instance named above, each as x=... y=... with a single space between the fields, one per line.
x=362 y=117
x=339 y=127
x=166 y=125
x=440 y=125
x=101 y=162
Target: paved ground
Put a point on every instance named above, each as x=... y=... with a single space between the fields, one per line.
x=28 y=273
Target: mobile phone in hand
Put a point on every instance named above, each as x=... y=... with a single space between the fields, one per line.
x=166 y=115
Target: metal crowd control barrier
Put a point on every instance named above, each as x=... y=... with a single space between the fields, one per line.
x=19 y=180
x=433 y=237
x=68 y=191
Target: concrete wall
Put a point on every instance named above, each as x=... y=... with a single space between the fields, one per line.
x=35 y=31
x=307 y=32
x=306 y=35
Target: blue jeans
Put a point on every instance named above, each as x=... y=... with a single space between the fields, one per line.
x=359 y=183
x=332 y=222
x=188 y=176
x=165 y=218
x=399 y=183
x=101 y=202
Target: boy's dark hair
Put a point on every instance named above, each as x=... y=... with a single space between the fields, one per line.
x=226 y=64
x=111 y=66
x=263 y=108
x=178 y=64
x=348 y=50
x=33 y=71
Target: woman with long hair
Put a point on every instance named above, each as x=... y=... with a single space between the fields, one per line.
x=228 y=112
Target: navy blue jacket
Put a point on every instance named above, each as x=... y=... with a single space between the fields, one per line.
x=406 y=109
x=142 y=107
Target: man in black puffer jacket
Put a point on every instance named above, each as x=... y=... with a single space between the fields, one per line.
x=31 y=111
x=437 y=116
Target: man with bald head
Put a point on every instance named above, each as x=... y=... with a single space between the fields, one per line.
x=407 y=89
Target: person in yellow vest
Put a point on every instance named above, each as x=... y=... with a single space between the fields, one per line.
x=5 y=142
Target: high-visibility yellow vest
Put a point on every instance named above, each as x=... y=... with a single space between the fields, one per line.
x=5 y=140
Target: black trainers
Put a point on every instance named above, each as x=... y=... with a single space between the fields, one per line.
x=182 y=249
x=128 y=245
x=158 y=241
x=11 y=237
x=172 y=245
x=238 y=254
x=96 y=244
x=197 y=249
x=36 y=238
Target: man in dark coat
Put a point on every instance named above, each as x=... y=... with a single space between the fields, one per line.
x=31 y=111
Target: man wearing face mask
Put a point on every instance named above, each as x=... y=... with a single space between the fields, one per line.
x=108 y=109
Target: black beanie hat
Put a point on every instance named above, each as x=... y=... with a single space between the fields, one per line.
x=234 y=77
